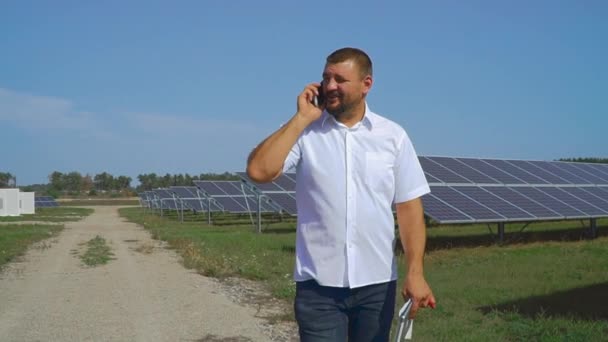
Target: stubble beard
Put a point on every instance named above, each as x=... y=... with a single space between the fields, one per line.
x=344 y=111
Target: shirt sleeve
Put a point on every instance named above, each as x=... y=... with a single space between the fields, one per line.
x=410 y=182
x=293 y=158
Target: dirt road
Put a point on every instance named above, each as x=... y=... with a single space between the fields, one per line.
x=144 y=294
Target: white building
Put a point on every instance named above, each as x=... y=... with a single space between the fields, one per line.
x=9 y=202
x=26 y=203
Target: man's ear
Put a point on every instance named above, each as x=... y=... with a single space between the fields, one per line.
x=367 y=84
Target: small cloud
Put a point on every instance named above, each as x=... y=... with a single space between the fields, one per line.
x=36 y=112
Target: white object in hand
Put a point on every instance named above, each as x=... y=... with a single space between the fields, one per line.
x=404 y=330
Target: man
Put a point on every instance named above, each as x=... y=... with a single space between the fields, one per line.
x=351 y=165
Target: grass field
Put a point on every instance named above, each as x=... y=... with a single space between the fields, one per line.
x=56 y=214
x=16 y=238
x=545 y=283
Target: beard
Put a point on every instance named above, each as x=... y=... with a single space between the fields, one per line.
x=344 y=109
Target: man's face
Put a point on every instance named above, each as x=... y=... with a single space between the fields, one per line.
x=344 y=88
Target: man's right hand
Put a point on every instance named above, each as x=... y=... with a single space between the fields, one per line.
x=306 y=109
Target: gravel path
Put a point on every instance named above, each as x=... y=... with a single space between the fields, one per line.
x=144 y=294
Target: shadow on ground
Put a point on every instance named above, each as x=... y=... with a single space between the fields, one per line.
x=530 y=236
x=588 y=303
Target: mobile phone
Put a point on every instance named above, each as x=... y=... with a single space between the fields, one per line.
x=320 y=99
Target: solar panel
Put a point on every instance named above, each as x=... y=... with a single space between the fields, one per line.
x=580 y=172
x=573 y=201
x=45 y=202
x=192 y=198
x=538 y=210
x=286 y=183
x=493 y=190
x=588 y=197
x=560 y=172
x=439 y=172
x=285 y=200
x=465 y=204
x=495 y=203
x=491 y=171
x=538 y=172
x=463 y=170
x=431 y=179
x=209 y=187
x=600 y=170
x=515 y=171
x=230 y=187
x=442 y=212
x=548 y=201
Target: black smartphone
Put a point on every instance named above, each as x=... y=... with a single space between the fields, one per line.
x=320 y=99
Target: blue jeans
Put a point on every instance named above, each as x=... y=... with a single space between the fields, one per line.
x=338 y=314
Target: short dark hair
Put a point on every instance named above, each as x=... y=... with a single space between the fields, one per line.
x=356 y=55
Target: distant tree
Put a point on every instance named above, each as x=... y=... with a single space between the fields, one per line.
x=6 y=180
x=56 y=180
x=219 y=176
x=87 y=183
x=122 y=183
x=585 y=160
x=73 y=182
x=147 y=182
x=103 y=181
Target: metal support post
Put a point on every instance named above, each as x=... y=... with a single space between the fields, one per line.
x=593 y=228
x=259 y=214
x=501 y=232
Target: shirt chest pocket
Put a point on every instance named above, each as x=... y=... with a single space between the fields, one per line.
x=379 y=173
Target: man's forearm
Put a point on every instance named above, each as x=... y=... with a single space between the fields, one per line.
x=266 y=160
x=412 y=232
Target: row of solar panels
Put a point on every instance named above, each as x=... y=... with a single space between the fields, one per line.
x=497 y=171
x=494 y=190
x=463 y=190
x=230 y=196
x=45 y=202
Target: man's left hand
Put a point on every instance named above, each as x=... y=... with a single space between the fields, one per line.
x=416 y=288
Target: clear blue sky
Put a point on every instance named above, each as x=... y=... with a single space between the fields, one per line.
x=131 y=87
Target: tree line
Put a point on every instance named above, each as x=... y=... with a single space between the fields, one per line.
x=585 y=160
x=151 y=181
x=75 y=183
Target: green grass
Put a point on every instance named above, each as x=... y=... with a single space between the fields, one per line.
x=56 y=214
x=98 y=252
x=15 y=239
x=545 y=283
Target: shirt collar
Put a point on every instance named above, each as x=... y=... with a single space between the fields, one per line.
x=368 y=120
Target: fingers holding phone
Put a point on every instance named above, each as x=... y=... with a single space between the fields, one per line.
x=311 y=102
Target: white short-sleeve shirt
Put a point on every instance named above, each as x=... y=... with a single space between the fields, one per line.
x=347 y=180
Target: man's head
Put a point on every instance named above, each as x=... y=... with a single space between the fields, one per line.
x=347 y=78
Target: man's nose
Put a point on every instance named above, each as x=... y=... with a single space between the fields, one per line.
x=330 y=85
